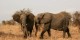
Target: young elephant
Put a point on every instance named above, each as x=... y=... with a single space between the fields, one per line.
x=26 y=19
x=55 y=21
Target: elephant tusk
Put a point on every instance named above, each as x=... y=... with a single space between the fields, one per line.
x=26 y=24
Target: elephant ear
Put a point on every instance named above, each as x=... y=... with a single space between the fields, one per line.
x=30 y=17
x=16 y=17
x=46 y=18
x=39 y=17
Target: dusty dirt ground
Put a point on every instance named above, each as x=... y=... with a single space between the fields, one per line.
x=13 y=32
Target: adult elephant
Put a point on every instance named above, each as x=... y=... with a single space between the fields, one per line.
x=76 y=18
x=58 y=21
x=26 y=19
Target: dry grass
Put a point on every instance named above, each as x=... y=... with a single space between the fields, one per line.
x=13 y=32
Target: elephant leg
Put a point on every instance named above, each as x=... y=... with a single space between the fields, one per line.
x=46 y=27
x=42 y=34
x=64 y=34
x=69 y=35
x=66 y=30
x=30 y=33
x=49 y=32
x=36 y=30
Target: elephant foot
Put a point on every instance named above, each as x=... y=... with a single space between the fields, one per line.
x=41 y=37
x=35 y=35
x=30 y=35
x=69 y=37
x=25 y=36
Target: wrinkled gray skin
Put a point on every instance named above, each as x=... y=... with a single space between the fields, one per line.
x=54 y=21
x=26 y=20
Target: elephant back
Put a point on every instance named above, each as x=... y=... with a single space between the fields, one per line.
x=59 y=20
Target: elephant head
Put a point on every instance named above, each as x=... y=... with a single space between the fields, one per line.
x=76 y=18
x=26 y=19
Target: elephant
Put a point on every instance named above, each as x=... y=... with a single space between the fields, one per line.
x=37 y=25
x=26 y=19
x=76 y=18
x=58 y=21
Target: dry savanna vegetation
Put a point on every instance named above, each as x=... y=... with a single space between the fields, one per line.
x=14 y=32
